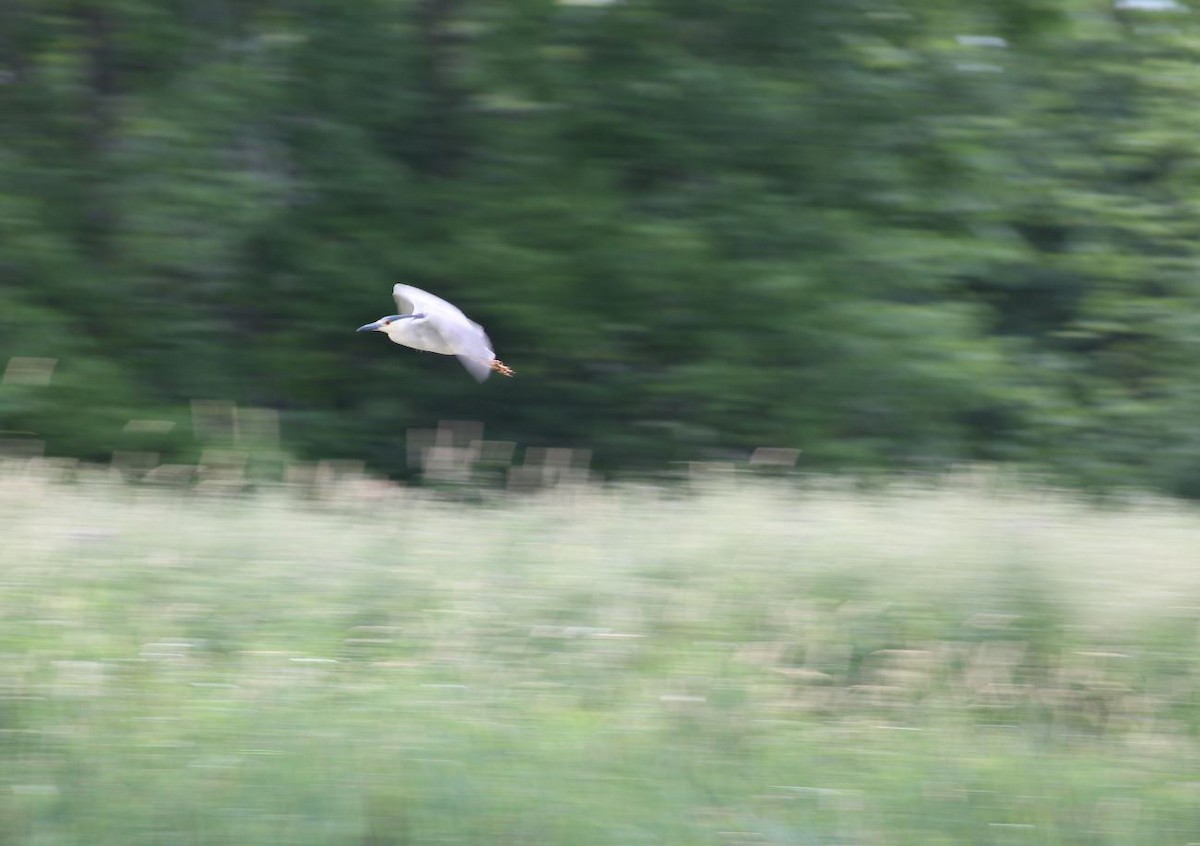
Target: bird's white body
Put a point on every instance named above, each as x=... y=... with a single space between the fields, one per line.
x=427 y=322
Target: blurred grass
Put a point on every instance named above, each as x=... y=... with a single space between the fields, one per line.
x=746 y=662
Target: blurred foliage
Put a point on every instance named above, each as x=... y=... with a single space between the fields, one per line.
x=889 y=234
x=757 y=662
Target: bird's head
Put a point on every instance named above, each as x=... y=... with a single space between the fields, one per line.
x=382 y=323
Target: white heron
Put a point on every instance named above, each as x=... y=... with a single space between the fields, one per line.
x=427 y=322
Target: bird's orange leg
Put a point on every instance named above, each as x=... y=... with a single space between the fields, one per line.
x=501 y=368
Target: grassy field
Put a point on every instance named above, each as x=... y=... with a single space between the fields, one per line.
x=742 y=663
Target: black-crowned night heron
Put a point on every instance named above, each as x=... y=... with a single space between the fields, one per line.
x=429 y=323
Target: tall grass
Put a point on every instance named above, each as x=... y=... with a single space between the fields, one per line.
x=741 y=663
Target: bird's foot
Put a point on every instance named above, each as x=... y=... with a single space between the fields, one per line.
x=501 y=368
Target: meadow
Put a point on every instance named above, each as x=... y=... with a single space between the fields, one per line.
x=736 y=662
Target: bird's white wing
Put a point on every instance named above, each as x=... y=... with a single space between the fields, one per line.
x=470 y=344
x=410 y=300
x=466 y=337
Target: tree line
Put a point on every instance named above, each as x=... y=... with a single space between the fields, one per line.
x=902 y=234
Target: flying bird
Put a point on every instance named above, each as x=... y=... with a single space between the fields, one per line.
x=429 y=323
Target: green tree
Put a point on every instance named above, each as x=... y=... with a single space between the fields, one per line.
x=901 y=236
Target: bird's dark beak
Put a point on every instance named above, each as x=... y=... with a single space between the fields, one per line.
x=370 y=327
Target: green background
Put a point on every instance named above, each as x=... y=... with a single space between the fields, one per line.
x=889 y=234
